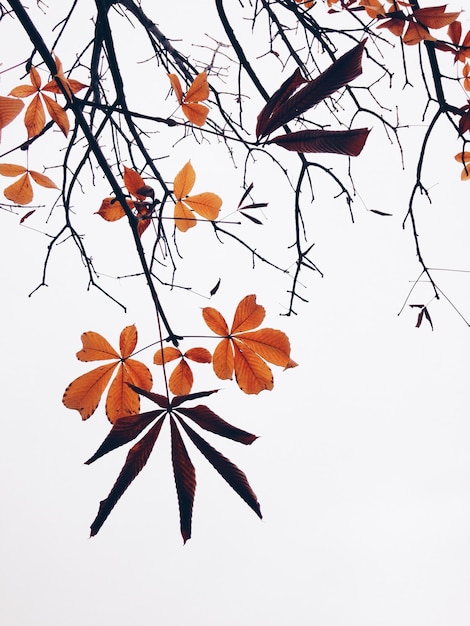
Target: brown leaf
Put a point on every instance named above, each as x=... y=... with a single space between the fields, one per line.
x=229 y=472
x=348 y=142
x=207 y=419
x=185 y=479
x=124 y=429
x=135 y=462
x=340 y=73
x=281 y=95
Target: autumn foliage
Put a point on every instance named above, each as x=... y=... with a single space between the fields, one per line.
x=162 y=198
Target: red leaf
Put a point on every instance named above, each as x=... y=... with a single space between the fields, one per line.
x=349 y=142
x=185 y=479
x=208 y=420
x=135 y=461
x=340 y=73
x=177 y=400
x=229 y=472
x=284 y=92
x=124 y=429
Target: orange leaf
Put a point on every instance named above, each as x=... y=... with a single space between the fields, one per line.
x=21 y=191
x=184 y=181
x=195 y=113
x=8 y=169
x=96 y=348
x=42 y=180
x=248 y=315
x=181 y=379
x=9 y=109
x=373 y=8
x=128 y=341
x=206 y=204
x=111 y=210
x=57 y=113
x=251 y=372
x=175 y=83
x=22 y=91
x=455 y=32
x=395 y=26
x=121 y=399
x=435 y=17
x=35 y=117
x=222 y=360
x=416 y=33
x=166 y=355
x=184 y=219
x=199 y=89
x=74 y=85
x=134 y=182
x=215 y=321
x=270 y=344
x=84 y=393
x=199 y=355
x=35 y=78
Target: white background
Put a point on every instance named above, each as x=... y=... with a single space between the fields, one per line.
x=362 y=466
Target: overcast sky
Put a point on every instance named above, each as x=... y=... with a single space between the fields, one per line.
x=362 y=464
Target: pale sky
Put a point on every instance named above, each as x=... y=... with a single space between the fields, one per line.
x=362 y=464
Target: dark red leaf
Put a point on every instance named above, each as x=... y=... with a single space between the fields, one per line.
x=208 y=420
x=124 y=429
x=349 y=142
x=185 y=479
x=420 y=318
x=245 y=193
x=135 y=461
x=428 y=317
x=177 y=400
x=255 y=220
x=464 y=122
x=26 y=215
x=253 y=205
x=155 y=397
x=381 y=212
x=215 y=288
x=340 y=73
x=230 y=472
x=284 y=92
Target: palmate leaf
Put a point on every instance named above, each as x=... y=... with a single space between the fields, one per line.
x=229 y=472
x=84 y=393
x=206 y=204
x=207 y=419
x=124 y=429
x=190 y=103
x=185 y=480
x=136 y=459
x=245 y=352
x=348 y=142
x=339 y=74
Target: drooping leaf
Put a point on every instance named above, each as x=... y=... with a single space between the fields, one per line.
x=135 y=462
x=207 y=419
x=184 y=219
x=283 y=93
x=10 y=169
x=42 y=180
x=185 y=480
x=416 y=33
x=57 y=113
x=228 y=470
x=20 y=191
x=347 y=142
x=175 y=83
x=339 y=74
x=134 y=181
x=181 y=379
x=223 y=360
x=34 y=118
x=26 y=215
x=124 y=429
x=111 y=210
